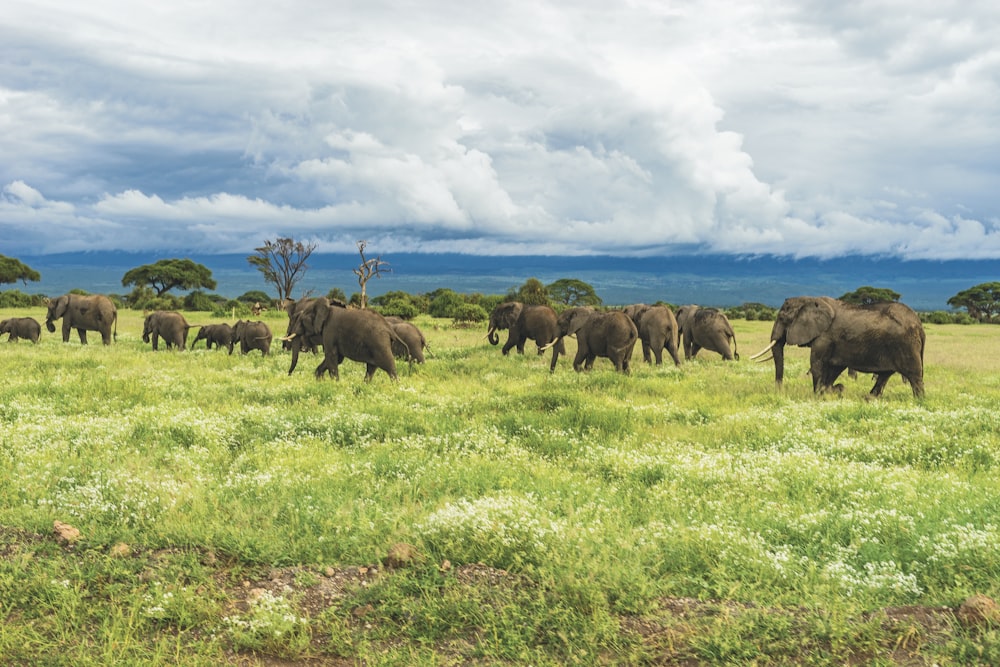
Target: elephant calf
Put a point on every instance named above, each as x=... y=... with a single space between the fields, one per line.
x=411 y=343
x=219 y=334
x=21 y=327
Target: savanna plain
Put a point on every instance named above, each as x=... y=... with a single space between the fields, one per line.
x=196 y=508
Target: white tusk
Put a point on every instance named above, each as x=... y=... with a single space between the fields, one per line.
x=542 y=349
x=289 y=337
x=765 y=350
x=765 y=360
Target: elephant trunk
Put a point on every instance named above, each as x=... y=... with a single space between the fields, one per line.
x=778 y=352
x=557 y=347
x=50 y=326
x=491 y=335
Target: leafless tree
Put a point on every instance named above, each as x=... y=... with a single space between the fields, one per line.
x=283 y=263
x=368 y=269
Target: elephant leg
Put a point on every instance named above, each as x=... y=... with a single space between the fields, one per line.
x=672 y=350
x=695 y=349
x=646 y=352
x=83 y=336
x=511 y=342
x=370 y=371
x=880 y=381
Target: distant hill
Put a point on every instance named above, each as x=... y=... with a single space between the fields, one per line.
x=715 y=280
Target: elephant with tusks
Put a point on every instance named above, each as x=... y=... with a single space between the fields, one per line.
x=346 y=333
x=879 y=338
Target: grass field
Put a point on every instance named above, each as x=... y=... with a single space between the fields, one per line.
x=484 y=511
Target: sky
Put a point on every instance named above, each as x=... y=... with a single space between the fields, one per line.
x=633 y=128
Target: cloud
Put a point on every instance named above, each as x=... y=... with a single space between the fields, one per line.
x=800 y=129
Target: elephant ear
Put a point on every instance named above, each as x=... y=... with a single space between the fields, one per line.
x=814 y=317
x=510 y=315
x=577 y=318
x=62 y=303
x=319 y=311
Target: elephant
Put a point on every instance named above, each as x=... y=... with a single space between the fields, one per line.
x=537 y=322
x=21 y=327
x=658 y=329
x=169 y=325
x=880 y=338
x=413 y=341
x=219 y=334
x=308 y=341
x=707 y=328
x=609 y=334
x=347 y=333
x=94 y=312
x=252 y=336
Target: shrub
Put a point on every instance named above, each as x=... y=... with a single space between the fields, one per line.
x=18 y=299
x=469 y=312
x=399 y=308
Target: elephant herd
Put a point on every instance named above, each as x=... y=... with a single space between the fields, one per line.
x=880 y=338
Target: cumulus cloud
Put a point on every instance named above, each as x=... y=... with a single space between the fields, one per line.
x=793 y=128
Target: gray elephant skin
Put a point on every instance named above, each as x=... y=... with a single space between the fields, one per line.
x=524 y=322
x=220 y=335
x=252 y=336
x=94 y=312
x=881 y=338
x=308 y=340
x=168 y=325
x=413 y=341
x=346 y=333
x=610 y=334
x=706 y=328
x=21 y=327
x=658 y=331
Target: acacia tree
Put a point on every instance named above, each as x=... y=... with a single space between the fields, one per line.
x=368 y=269
x=868 y=295
x=283 y=263
x=12 y=270
x=982 y=301
x=167 y=274
x=573 y=292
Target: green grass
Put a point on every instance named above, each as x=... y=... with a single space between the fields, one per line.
x=231 y=513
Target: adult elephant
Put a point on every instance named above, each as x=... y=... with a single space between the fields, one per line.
x=220 y=335
x=706 y=328
x=252 y=336
x=21 y=327
x=880 y=338
x=94 y=312
x=525 y=321
x=609 y=334
x=346 y=333
x=411 y=344
x=308 y=340
x=168 y=325
x=658 y=330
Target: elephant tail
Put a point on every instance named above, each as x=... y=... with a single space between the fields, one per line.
x=736 y=355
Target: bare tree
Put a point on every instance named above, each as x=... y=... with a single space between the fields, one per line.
x=283 y=263
x=368 y=269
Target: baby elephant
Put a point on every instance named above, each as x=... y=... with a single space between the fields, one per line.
x=411 y=343
x=21 y=327
x=219 y=334
x=252 y=336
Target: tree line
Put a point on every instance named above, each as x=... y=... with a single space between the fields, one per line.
x=283 y=263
